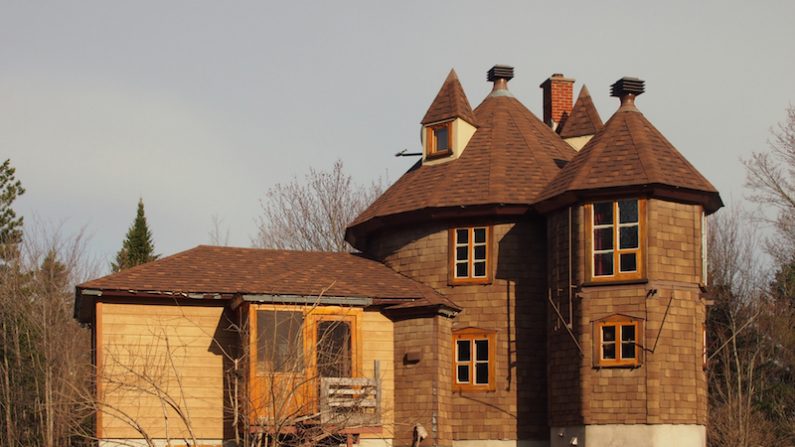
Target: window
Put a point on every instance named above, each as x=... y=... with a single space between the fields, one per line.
x=439 y=139
x=616 y=232
x=280 y=341
x=469 y=255
x=473 y=360
x=617 y=343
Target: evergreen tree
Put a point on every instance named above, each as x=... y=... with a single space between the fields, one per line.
x=137 y=247
x=10 y=224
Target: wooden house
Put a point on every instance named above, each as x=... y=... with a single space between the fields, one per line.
x=526 y=283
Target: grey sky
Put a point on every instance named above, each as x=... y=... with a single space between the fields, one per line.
x=200 y=106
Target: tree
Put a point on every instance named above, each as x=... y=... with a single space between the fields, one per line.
x=137 y=247
x=312 y=215
x=771 y=179
x=10 y=224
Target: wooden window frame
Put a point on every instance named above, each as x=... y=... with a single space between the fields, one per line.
x=617 y=322
x=452 y=244
x=472 y=335
x=430 y=140
x=640 y=251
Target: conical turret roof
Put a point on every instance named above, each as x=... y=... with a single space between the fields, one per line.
x=583 y=120
x=629 y=154
x=508 y=161
x=450 y=102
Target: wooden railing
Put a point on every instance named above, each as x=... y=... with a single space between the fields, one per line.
x=350 y=402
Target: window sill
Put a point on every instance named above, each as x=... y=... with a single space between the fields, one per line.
x=614 y=282
x=619 y=366
x=439 y=154
x=469 y=282
x=461 y=389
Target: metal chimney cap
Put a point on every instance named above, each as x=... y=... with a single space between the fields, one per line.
x=500 y=72
x=627 y=86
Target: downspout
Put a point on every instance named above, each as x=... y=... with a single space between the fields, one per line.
x=571 y=285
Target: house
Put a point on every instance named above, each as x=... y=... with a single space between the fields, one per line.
x=526 y=283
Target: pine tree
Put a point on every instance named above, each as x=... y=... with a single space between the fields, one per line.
x=137 y=247
x=10 y=224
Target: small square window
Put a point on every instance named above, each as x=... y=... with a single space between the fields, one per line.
x=439 y=140
x=617 y=343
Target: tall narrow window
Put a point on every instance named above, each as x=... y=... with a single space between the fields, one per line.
x=473 y=359
x=616 y=239
x=334 y=349
x=439 y=140
x=280 y=342
x=469 y=255
x=617 y=343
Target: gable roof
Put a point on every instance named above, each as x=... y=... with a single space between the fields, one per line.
x=583 y=119
x=508 y=161
x=450 y=102
x=630 y=153
x=237 y=271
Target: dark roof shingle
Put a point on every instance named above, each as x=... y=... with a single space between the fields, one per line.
x=225 y=270
x=583 y=120
x=509 y=160
x=630 y=152
x=450 y=102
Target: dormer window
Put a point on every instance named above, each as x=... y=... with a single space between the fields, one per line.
x=439 y=140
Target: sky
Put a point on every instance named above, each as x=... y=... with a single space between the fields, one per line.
x=199 y=107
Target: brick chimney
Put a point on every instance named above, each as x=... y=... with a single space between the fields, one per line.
x=558 y=99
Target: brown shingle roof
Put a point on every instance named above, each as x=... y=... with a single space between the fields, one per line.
x=509 y=160
x=450 y=102
x=630 y=152
x=583 y=120
x=226 y=270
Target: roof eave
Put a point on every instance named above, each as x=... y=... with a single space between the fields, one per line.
x=357 y=234
x=710 y=200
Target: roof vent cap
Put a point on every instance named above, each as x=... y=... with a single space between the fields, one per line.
x=627 y=88
x=500 y=72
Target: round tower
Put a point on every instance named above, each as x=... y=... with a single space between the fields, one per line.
x=461 y=220
x=627 y=269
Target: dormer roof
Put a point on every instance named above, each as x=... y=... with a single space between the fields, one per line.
x=629 y=155
x=507 y=162
x=450 y=102
x=583 y=120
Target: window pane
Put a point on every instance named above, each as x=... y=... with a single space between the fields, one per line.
x=280 y=341
x=480 y=269
x=442 y=138
x=603 y=238
x=461 y=253
x=463 y=374
x=482 y=350
x=480 y=235
x=334 y=349
x=609 y=351
x=480 y=252
x=461 y=270
x=628 y=351
x=462 y=236
x=464 y=351
x=628 y=333
x=608 y=333
x=628 y=210
x=482 y=373
x=628 y=237
x=603 y=264
x=629 y=262
x=603 y=213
